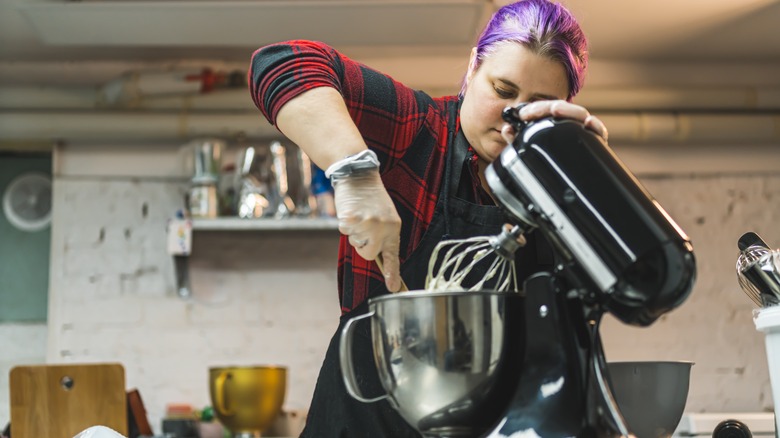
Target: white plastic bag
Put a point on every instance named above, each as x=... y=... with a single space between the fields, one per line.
x=99 y=432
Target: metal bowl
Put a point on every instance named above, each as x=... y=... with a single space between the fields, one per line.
x=447 y=360
x=650 y=395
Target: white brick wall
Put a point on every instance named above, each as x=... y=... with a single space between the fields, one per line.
x=714 y=327
x=113 y=294
x=262 y=297
x=20 y=344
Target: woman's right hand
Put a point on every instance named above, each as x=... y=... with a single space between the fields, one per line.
x=365 y=211
x=559 y=109
x=366 y=215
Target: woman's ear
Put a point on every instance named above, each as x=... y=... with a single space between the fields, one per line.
x=472 y=65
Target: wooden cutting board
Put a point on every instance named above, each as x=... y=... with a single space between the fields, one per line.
x=59 y=401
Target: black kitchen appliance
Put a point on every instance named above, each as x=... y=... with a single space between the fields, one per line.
x=616 y=250
x=467 y=363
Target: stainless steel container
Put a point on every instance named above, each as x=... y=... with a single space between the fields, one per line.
x=207 y=160
x=448 y=360
x=203 y=201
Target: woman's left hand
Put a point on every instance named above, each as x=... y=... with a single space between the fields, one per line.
x=560 y=109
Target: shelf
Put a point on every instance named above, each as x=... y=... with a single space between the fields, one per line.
x=239 y=224
x=180 y=228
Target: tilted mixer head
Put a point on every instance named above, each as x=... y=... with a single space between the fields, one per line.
x=613 y=241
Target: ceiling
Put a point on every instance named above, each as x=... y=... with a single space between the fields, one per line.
x=130 y=30
x=650 y=60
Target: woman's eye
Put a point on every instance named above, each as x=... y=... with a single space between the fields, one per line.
x=503 y=93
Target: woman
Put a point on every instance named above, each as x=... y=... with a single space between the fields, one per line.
x=408 y=169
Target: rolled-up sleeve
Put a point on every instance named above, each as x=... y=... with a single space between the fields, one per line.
x=282 y=71
x=408 y=129
x=388 y=114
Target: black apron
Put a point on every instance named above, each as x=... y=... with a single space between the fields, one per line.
x=333 y=412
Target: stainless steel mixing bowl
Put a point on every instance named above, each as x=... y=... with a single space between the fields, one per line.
x=448 y=360
x=650 y=395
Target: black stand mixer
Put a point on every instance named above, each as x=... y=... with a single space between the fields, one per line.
x=616 y=250
x=460 y=360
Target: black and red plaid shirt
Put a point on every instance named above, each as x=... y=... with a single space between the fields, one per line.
x=408 y=130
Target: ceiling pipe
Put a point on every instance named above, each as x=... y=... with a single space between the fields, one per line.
x=417 y=69
x=92 y=98
x=692 y=128
x=119 y=126
x=112 y=126
x=680 y=99
x=132 y=87
x=238 y=98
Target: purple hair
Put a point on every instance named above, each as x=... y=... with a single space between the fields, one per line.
x=547 y=29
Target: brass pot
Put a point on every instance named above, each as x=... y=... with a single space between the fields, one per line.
x=247 y=400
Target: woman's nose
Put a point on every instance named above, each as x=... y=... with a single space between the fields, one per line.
x=519 y=103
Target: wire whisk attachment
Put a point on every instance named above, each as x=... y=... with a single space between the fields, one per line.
x=456 y=264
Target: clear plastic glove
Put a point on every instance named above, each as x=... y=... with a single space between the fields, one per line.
x=366 y=215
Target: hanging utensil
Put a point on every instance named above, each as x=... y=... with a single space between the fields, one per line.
x=256 y=185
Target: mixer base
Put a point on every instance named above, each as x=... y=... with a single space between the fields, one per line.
x=562 y=388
